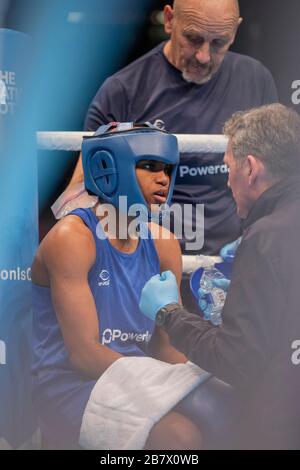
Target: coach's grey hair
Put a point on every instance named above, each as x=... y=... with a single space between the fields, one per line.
x=270 y=133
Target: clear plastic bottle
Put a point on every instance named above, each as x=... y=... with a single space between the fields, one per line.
x=214 y=296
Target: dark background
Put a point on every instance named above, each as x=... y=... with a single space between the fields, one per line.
x=74 y=58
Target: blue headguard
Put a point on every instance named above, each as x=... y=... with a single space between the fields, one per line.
x=109 y=160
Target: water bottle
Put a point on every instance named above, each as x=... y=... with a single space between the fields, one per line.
x=214 y=295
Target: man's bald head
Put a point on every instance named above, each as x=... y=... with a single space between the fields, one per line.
x=201 y=33
x=228 y=6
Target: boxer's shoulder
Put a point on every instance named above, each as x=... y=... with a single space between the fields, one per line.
x=69 y=243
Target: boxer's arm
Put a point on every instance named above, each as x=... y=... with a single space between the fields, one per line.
x=68 y=254
x=168 y=250
x=169 y=253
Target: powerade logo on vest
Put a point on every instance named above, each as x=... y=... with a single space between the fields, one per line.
x=110 y=335
x=104 y=278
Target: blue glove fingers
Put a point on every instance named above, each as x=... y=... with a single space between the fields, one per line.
x=203 y=304
x=156 y=276
x=228 y=251
x=167 y=275
x=221 y=283
x=206 y=308
x=159 y=291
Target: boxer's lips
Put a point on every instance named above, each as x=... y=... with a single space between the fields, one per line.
x=160 y=197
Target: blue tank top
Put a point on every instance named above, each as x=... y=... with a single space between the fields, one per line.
x=116 y=281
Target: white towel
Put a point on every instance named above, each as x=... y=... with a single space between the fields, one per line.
x=131 y=396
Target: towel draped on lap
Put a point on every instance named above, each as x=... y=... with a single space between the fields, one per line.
x=131 y=396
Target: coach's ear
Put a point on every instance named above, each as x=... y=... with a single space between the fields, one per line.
x=168 y=19
x=255 y=169
x=240 y=20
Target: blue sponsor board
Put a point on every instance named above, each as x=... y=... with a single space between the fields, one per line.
x=18 y=237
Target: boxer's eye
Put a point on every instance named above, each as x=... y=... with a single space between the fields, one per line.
x=154 y=166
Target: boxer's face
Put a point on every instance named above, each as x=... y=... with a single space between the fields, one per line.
x=200 y=38
x=154 y=180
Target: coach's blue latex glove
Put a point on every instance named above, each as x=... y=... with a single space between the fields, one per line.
x=159 y=291
x=228 y=251
x=221 y=283
x=205 y=306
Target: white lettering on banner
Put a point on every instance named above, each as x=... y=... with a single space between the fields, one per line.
x=211 y=170
x=2 y=353
x=17 y=274
x=9 y=93
x=296 y=354
x=3 y=93
x=296 y=94
x=8 y=77
x=110 y=335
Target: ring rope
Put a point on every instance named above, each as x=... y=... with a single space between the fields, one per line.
x=188 y=143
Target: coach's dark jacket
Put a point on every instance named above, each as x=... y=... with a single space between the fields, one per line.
x=252 y=350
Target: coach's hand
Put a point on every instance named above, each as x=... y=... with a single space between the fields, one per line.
x=205 y=306
x=159 y=291
x=228 y=251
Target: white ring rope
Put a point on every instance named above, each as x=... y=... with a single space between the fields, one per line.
x=188 y=143
x=192 y=262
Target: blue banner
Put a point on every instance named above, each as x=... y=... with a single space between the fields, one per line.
x=18 y=237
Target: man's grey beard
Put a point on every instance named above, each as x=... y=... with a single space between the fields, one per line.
x=200 y=81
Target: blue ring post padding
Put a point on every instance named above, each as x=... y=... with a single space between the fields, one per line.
x=18 y=236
